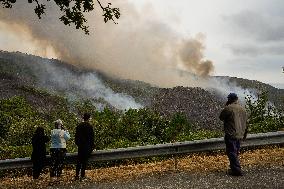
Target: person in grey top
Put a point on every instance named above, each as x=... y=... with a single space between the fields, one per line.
x=59 y=136
x=234 y=117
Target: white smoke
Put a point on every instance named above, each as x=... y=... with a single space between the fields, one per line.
x=86 y=85
x=223 y=86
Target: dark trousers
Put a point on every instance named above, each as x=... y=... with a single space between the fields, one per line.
x=82 y=160
x=57 y=159
x=233 y=150
x=37 y=167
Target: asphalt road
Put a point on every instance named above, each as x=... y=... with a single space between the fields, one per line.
x=256 y=177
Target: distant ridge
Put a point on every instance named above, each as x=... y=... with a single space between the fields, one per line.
x=22 y=75
x=278 y=85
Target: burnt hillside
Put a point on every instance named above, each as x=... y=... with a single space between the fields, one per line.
x=200 y=106
x=275 y=95
x=30 y=76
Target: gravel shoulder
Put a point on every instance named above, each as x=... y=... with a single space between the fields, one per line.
x=256 y=177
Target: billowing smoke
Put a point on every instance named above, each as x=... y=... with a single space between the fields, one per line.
x=223 y=87
x=86 y=85
x=140 y=47
x=192 y=57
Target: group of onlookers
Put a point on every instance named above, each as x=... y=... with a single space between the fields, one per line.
x=84 y=139
x=233 y=115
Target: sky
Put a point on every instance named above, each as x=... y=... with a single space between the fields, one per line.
x=243 y=38
x=239 y=38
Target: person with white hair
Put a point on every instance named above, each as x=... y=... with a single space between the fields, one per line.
x=59 y=136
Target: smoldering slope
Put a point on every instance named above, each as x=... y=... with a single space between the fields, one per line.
x=140 y=47
x=86 y=85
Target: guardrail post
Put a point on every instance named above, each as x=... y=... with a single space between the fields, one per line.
x=175 y=159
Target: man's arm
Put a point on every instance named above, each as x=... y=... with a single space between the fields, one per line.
x=46 y=139
x=66 y=135
x=92 y=135
x=246 y=130
x=245 y=135
x=223 y=114
x=77 y=136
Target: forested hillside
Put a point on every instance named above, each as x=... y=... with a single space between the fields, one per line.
x=36 y=91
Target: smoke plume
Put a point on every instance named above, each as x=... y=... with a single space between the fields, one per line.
x=140 y=47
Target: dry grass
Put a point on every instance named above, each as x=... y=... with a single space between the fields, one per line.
x=195 y=163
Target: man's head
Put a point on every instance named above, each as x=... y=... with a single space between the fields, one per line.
x=232 y=97
x=39 y=131
x=86 y=116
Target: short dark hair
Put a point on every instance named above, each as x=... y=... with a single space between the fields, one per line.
x=39 y=131
x=86 y=116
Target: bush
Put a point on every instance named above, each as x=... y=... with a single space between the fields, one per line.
x=17 y=121
x=263 y=115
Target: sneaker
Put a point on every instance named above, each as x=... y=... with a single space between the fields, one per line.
x=230 y=172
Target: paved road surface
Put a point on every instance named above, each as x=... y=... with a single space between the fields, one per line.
x=257 y=177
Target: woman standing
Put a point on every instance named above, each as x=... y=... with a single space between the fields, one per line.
x=39 y=151
x=59 y=136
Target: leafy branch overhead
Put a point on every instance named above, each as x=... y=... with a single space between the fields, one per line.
x=73 y=11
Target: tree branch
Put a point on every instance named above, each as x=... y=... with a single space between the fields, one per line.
x=72 y=13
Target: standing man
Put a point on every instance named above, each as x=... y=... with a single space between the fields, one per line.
x=84 y=139
x=234 y=117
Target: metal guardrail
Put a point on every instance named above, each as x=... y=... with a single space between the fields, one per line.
x=213 y=144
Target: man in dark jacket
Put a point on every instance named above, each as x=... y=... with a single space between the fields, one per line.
x=234 y=117
x=84 y=139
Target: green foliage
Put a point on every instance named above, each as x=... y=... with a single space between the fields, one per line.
x=141 y=127
x=179 y=128
x=84 y=106
x=200 y=135
x=15 y=111
x=113 y=129
x=264 y=116
x=7 y=151
x=73 y=11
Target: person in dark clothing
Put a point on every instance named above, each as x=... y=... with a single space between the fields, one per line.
x=234 y=117
x=84 y=139
x=39 y=151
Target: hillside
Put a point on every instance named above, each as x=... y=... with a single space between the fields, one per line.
x=275 y=95
x=44 y=82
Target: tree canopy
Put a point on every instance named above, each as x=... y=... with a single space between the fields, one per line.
x=72 y=11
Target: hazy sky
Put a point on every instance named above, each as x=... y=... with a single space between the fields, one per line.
x=243 y=38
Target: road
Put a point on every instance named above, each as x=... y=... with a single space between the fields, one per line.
x=256 y=177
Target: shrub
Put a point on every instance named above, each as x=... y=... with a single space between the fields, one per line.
x=263 y=115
